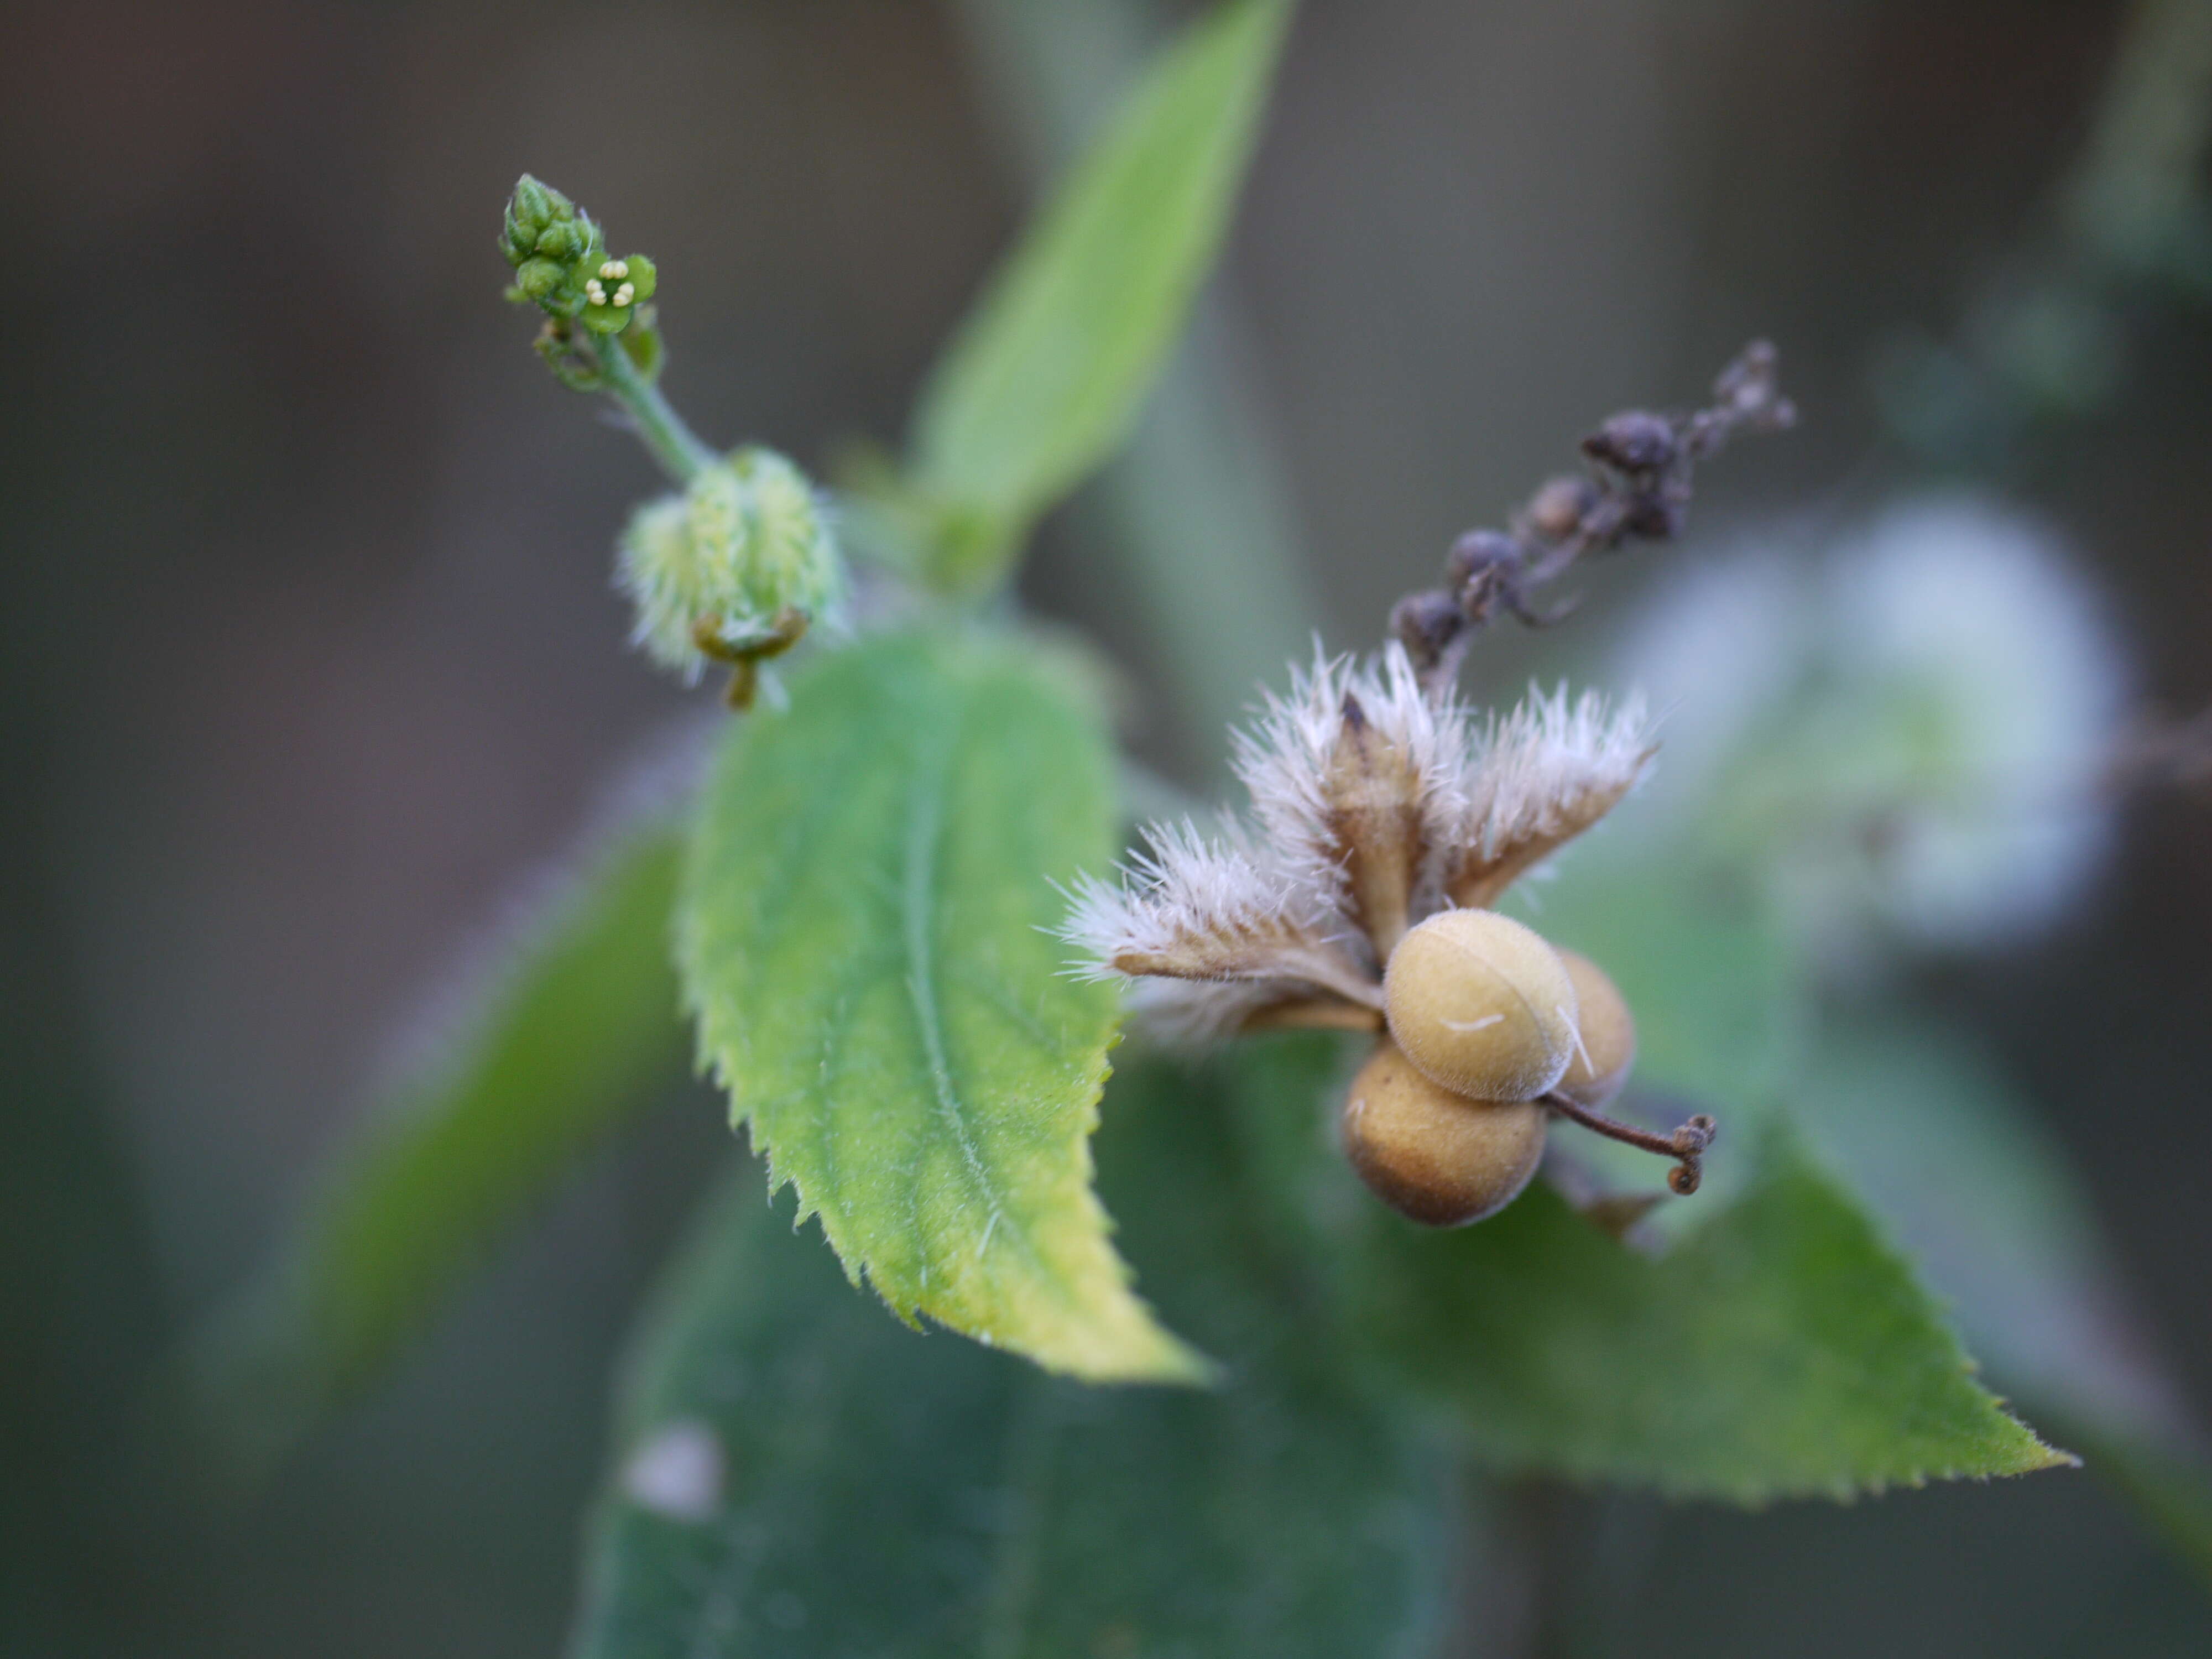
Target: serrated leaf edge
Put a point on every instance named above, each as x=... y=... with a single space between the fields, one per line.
x=1140 y=1349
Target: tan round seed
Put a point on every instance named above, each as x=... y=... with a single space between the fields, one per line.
x=1601 y=1063
x=1482 y=1004
x=1431 y=1155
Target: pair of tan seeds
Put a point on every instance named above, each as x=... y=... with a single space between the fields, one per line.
x=1446 y=1120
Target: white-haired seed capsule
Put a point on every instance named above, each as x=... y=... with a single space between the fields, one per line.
x=1433 y=1155
x=1608 y=1050
x=1481 y=1005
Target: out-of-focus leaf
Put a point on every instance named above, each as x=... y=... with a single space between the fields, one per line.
x=1972 y=1184
x=1781 y=1349
x=580 y=1029
x=1043 y=380
x=865 y=1490
x=1719 y=1007
x=2167 y=1476
x=864 y=933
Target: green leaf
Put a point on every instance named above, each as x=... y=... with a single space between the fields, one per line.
x=863 y=932
x=1046 y=376
x=579 y=1030
x=1781 y=1349
x=905 y=1496
x=1958 y=1165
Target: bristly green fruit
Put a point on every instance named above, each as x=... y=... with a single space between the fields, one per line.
x=720 y=570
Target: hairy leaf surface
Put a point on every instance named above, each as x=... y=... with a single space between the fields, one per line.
x=1044 y=379
x=1783 y=1348
x=1959 y=1166
x=905 y=1496
x=581 y=1028
x=863 y=932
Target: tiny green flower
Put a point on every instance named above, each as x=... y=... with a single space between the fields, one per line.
x=613 y=289
x=733 y=569
x=562 y=264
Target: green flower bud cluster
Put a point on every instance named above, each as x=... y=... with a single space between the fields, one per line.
x=562 y=265
x=735 y=569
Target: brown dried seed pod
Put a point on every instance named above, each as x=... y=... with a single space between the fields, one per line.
x=1433 y=1155
x=1556 y=511
x=1635 y=442
x=1482 y=1004
x=1602 y=1064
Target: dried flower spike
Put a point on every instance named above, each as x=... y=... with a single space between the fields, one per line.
x=1643 y=465
x=1389 y=821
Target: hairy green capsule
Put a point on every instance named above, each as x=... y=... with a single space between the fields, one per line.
x=733 y=568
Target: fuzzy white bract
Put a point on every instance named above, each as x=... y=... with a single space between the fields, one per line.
x=1905 y=729
x=1549 y=770
x=1286 y=760
x=1374 y=806
x=1189 y=899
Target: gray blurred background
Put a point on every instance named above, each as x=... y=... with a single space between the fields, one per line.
x=311 y=657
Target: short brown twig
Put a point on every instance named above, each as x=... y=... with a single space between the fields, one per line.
x=1686 y=1144
x=745 y=657
x=1639 y=487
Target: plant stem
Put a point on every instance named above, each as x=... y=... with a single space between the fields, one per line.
x=680 y=451
x=1686 y=1144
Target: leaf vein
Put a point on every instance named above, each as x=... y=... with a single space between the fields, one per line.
x=925 y=835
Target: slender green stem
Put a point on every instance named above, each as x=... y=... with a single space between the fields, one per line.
x=680 y=451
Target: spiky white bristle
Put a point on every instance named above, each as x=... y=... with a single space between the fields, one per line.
x=1551 y=768
x=1283 y=760
x=1183 y=894
x=1197 y=1013
x=1213 y=931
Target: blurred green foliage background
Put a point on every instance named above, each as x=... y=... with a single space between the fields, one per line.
x=295 y=698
